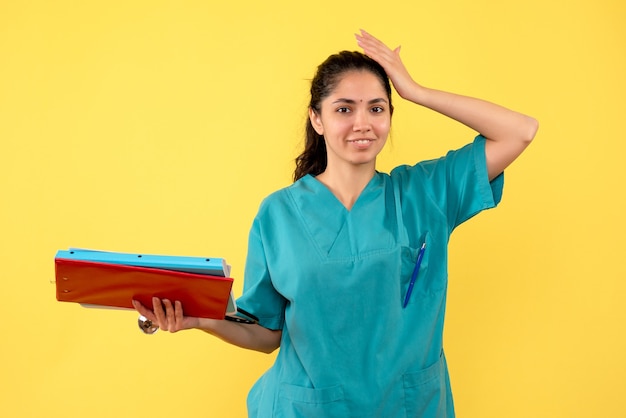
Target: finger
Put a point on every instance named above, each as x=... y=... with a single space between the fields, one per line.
x=368 y=45
x=147 y=313
x=178 y=315
x=366 y=40
x=157 y=307
x=368 y=36
x=169 y=315
x=378 y=51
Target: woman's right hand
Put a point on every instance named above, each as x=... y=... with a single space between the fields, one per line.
x=167 y=315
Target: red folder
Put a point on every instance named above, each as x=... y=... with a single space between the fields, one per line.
x=117 y=285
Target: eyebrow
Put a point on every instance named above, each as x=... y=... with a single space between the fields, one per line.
x=351 y=101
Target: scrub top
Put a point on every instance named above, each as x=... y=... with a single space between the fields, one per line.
x=334 y=281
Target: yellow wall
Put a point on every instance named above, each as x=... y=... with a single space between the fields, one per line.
x=158 y=126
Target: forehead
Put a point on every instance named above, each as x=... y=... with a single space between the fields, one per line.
x=359 y=85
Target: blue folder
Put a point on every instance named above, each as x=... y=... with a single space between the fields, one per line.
x=197 y=265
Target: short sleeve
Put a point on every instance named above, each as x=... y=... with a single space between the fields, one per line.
x=470 y=190
x=456 y=185
x=259 y=297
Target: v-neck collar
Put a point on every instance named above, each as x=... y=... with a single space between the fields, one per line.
x=319 y=187
x=336 y=232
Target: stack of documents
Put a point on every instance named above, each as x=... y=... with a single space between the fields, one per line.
x=112 y=279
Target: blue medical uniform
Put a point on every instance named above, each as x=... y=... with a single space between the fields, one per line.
x=334 y=280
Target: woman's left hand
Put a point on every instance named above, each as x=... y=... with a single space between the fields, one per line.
x=391 y=62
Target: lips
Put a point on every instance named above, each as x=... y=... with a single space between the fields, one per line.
x=361 y=144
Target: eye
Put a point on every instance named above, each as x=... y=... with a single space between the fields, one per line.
x=343 y=110
x=378 y=109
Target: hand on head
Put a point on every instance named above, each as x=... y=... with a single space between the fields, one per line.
x=390 y=61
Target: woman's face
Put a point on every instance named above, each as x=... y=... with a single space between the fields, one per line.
x=354 y=119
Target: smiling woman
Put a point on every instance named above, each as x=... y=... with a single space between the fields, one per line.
x=374 y=245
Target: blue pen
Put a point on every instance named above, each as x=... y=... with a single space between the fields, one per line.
x=420 y=255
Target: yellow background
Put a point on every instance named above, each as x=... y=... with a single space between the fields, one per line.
x=158 y=127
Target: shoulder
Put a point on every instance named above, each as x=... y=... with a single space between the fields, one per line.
x=470 y=155
x=281 y=199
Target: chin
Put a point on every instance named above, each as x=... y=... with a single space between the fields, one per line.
x=363 y=161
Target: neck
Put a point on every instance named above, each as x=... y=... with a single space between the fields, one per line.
x=347 y=185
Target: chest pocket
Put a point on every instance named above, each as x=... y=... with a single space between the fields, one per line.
x=427 y=283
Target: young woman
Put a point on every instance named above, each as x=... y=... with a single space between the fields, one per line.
x=347 y=267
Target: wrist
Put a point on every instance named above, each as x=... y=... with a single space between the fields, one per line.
x=204 y=324
x=417 y=94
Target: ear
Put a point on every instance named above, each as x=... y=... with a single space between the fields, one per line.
x=316 y=121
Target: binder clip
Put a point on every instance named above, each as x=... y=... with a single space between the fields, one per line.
x=146 y=326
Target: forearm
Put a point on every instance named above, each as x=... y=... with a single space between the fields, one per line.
x=250 y=336
x=493 y=121
x=508 y=133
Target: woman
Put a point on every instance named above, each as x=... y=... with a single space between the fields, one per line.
x=331 y=257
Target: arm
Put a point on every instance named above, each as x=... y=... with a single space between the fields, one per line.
x=170 y=317
x=508 y=132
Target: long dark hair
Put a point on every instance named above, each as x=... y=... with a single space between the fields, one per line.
x=313 y=159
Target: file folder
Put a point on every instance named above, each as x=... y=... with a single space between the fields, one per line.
x=114 y=284
x=201 y=265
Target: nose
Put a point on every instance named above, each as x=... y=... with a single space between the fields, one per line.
x=361 y=121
